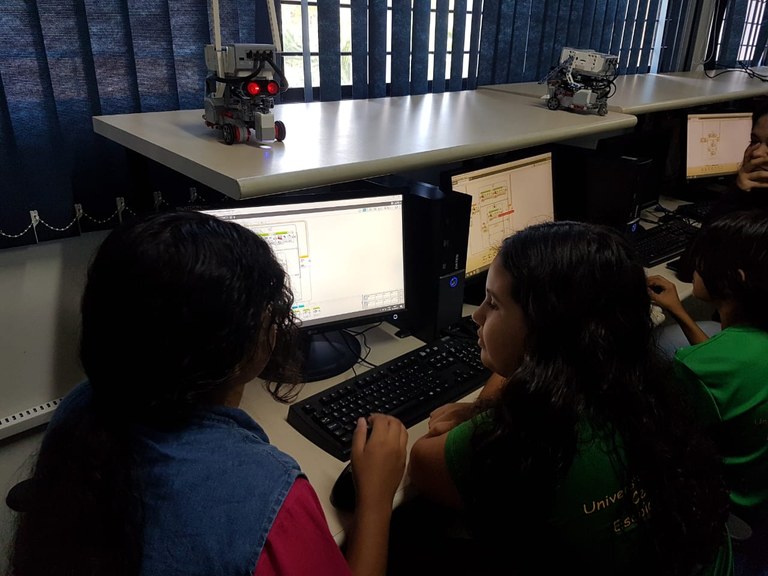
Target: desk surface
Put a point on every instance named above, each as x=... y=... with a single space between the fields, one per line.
x=332 y=142
x=643 y=93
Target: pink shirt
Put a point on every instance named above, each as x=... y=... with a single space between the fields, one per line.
x=299 y=541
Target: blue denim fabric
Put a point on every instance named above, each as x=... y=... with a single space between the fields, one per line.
x=210 y=491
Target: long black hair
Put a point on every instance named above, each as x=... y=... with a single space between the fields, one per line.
x=176 y=308
x=731 y=256
x=590 y=356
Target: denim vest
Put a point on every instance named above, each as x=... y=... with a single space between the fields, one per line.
x=211 y=491
x=211 y=494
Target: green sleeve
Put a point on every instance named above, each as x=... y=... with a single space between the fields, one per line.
x=458 y=452
x=696 y=394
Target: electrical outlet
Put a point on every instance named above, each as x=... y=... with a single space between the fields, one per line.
x=27 y=419
x=120 y=201
x=35 y=217
x=78 y=211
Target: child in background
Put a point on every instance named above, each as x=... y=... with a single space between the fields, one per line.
x=749 y=190
x=726 y=376
x=576 y=447
x=150 y=467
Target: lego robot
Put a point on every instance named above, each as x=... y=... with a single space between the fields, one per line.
x=240 y=92
x=582 y=81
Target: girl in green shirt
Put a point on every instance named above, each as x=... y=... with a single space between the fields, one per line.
x=575 y=446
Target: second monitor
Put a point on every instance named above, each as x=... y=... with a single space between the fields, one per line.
x=715 y=144
x=508 y=194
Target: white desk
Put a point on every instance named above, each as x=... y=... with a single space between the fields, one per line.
x=643 y=93
x=332 y=142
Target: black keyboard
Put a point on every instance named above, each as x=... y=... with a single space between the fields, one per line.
x=663 y=242
x=408 y=387
x=695 y=211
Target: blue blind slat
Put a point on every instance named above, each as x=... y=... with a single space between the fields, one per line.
x=474 y=43
x=518 y=41
x=617 y=47
x=526 y=41
x=488 y=42
x=561 y=31
x=596 y=38
x=634 y=28
x=420 y=47
x=189 y=35
x=7 y=139
x=587 y=25
x=547 y=15
x=441 y=46
x=401 y=47
x=260 y=28
x=609 y=28
x=153 y=50
x=359 y=22
x=575 y=9
x=377 y=49
x=329 y=47
x=646 y=49
x=457 y=44
x=504 y=41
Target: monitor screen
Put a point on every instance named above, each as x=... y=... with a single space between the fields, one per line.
x=506 y=197
x=715 y=143
x=345 y=261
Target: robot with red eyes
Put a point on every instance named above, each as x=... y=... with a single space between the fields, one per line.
x=240 y=91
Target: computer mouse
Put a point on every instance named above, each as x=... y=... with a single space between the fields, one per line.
x=343 y=496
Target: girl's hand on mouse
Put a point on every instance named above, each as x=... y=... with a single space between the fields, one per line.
x=378 y=458
x=663 y=293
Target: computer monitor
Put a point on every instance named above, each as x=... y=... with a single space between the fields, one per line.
x=506 y=197
x=344 y=257
x=715 y=144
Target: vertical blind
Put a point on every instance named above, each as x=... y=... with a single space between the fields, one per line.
x=64 y=61
x=741 y=34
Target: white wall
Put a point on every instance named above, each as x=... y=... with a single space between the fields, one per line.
x=40 y=289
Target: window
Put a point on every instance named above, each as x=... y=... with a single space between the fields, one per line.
x=515 y=42
x=296 y=35
x=748 y=47
x=738 y=33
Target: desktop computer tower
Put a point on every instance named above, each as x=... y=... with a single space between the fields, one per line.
x=601 y=188
x=436 y=232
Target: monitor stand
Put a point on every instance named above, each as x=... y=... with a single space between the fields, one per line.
x=328 y=354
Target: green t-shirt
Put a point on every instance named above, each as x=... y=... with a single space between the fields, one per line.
x=591 y=517
x=726 y=379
